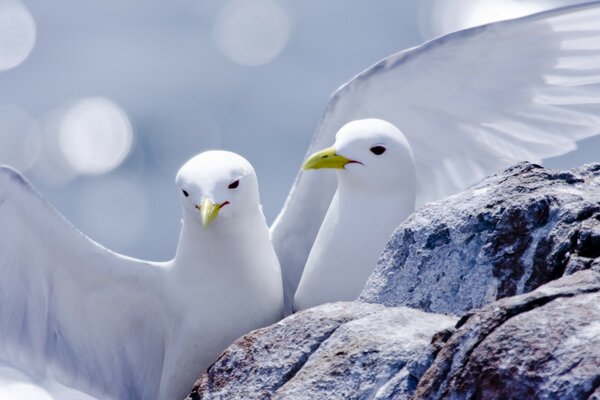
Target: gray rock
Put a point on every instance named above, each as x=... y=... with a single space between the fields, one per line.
x=335 y=351
x=511 y=233
x=541 y=345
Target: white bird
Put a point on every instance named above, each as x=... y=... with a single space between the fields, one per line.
x=468 y=103
x=116 y=327
x=375 y=193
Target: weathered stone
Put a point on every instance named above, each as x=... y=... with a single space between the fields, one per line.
x=541 y=345
x=511 y=233
x=336 y=351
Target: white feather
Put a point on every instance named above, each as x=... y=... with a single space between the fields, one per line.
x=111 y=326
x=469 y=103
x=16 y=384
x=67 y=303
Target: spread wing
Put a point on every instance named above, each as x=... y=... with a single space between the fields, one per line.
x=469 y=103
x=17 y=384
x=71 y=310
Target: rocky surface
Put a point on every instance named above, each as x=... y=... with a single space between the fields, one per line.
x=517 y=256
x=541 y=345
x=511 y=233
x=335 y=351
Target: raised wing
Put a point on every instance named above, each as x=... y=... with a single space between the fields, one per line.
x=469 y=103
x=70 y=310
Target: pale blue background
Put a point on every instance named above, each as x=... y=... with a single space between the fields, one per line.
x=159 y=62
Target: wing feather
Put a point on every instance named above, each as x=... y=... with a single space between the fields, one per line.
x=469 y=103
x=70 y=309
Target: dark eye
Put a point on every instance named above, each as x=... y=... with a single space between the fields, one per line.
x=378 y=150
x=234 y=185
x=186 y=194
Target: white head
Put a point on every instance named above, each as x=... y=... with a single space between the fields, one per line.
x=217 y=184
x=369 y=154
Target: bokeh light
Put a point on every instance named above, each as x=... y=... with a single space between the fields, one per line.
x=95 y=136
x=252 y=32
x=51 y=168
x=20 y=138
x=17 y=33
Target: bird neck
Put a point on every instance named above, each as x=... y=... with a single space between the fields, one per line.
x=202 y=248
x=353 y=200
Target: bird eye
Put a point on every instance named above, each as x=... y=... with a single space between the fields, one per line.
x=378 y=150
x=234 y=185
x=186 y=194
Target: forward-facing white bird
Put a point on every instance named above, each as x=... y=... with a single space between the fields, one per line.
x=117 y=327
x=468 y=103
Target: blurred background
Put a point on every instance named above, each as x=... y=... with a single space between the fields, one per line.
x=102 y=101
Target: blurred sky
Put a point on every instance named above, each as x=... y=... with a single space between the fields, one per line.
x=102 y=101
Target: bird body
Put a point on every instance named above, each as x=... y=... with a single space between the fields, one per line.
x=343 y=255
x=240 y=291
x=116 y=327
x=375 y=193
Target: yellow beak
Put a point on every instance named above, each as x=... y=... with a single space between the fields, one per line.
x=209 y=212
x=326 y=158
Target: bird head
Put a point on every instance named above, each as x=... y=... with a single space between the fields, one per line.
x=369 y=154
x=217 y=186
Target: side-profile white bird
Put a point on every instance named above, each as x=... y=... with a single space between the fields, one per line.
x=468 y=104
x=116 y=327
x=375 y=193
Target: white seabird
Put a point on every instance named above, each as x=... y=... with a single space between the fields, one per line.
x=375 y=193
x=116 y=327
x=468 y=103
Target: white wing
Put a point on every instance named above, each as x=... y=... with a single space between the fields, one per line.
x=17 y=384
x=469 y=103
x=70 y=310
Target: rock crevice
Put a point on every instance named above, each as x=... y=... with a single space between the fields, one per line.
x=440 y=381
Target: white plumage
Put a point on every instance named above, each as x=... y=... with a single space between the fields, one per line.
x=117 y=327
x=469 y=103
x=375 y=193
